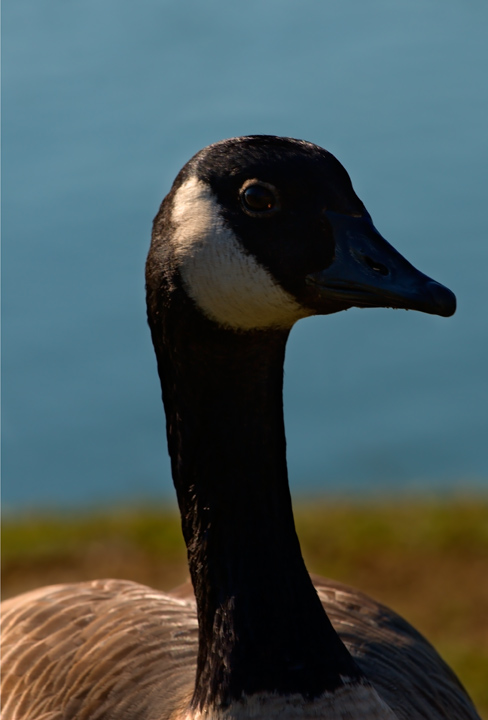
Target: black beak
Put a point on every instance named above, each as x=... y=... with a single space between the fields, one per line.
x=368 y=272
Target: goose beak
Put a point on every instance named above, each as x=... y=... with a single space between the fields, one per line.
x=368 y=272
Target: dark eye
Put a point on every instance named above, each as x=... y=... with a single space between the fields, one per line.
x=259 y=197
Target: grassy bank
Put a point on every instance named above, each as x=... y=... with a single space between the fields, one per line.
x=427 y=560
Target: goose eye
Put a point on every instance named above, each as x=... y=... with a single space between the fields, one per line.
x=259 y=198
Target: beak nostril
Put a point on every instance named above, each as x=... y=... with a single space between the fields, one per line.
x=376 y=266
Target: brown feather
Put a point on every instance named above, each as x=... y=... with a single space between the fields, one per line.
x=116 y=650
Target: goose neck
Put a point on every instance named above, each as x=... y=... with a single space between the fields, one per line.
x=262 y=627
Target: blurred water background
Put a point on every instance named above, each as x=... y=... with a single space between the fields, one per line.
x=105 y=101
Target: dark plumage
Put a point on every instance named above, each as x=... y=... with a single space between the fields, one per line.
x=255 y=233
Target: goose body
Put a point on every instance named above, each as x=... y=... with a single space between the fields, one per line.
x=256 y=233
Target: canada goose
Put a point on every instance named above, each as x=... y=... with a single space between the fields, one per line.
x=256 y=233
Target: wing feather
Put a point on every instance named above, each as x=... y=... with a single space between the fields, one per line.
x=116 y=650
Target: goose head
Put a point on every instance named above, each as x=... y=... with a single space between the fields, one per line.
x=261 y=231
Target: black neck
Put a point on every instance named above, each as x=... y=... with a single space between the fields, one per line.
x=261 y=624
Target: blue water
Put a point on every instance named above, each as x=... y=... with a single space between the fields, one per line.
x=105 y=101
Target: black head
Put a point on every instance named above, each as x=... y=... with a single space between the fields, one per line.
x=264 y=230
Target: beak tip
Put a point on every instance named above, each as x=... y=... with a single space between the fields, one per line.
x=443 y=301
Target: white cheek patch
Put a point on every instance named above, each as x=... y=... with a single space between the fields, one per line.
x=228 y=285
